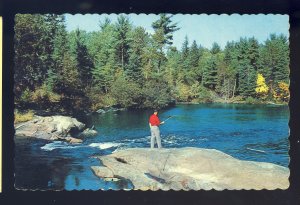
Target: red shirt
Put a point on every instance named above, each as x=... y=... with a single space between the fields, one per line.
x=154 y=120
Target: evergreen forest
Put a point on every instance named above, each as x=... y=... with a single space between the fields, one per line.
x=122 y=65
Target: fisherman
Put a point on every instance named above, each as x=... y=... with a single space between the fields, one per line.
x=154 y=124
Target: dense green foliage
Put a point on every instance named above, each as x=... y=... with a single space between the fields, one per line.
x=124 y=65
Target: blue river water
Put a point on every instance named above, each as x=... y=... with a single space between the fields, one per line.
x=247 y=132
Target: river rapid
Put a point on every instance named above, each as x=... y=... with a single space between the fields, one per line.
x=247 y=132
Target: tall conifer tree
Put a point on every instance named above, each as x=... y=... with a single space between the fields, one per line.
x=136 y=54
x=84 y=61
x=123 y=28
x=164 y=29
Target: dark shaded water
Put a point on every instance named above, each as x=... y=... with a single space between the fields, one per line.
x=248 y=132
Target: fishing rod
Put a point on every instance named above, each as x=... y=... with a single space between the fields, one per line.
x=167 y=119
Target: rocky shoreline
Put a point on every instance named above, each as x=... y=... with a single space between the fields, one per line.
x=153 y=169
x=58 y=127
x=190 y=169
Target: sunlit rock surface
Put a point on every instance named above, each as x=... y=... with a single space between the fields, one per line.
x=52 y=128
x=190 y=169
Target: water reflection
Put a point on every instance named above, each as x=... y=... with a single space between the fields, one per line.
x=37 y=171
x=277 y=145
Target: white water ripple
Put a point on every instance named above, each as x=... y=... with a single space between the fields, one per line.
x=105 y=145
x=58 y=145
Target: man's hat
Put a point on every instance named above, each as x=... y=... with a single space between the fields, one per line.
x=155 y=110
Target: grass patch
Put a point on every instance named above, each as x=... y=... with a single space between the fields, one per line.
x=251 y=100
x=23 y=116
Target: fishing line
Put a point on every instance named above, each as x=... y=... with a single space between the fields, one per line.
x=256 y=150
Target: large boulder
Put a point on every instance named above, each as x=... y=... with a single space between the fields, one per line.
x=190 y=169
x=65 y=123
x=88 y=132
x=50 y=128
x=101 y=111
x=110 y=109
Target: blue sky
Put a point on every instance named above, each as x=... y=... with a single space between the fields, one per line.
x=205 y=29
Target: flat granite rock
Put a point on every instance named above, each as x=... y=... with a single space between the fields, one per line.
x=190 y=169
x=50 y=128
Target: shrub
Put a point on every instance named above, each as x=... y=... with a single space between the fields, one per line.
x=187 y=93
x=25 y=96
x=126 y=93
x=107 y=100
x=261 y=87
x=101 y=101
x=156 y=94
x=251 y=100
x=23 y=116
x=183 y=92
x=281 y=92
x=205 y=95
x=43 y=95
x=97 y=99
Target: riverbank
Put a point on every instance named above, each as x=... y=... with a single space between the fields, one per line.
x=26 y=115
x=190 y=169
x=236 y=100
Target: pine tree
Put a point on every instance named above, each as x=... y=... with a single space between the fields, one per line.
x=165 y=25
x=185 y=49
x=274 y=60
x=215 y=48
x=72 y=95
x=247 y=66
x=185 y=61
x=202 y=64
x=55 y=29
x=122 y=27
x=194 y=54
x=84 y=61
x=67 y=84
x=103 y=52
x=210 y=69
x=163 y=36
x=105 y=23
x=157 y=50
x=172 y=68
x=136 y=54
x=210 y=77
x=156 y=93
x=230 y=72
x=187 y=75
x=30 y=54
x=60 y=47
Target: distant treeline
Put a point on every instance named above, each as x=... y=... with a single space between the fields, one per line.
x=123 y=65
